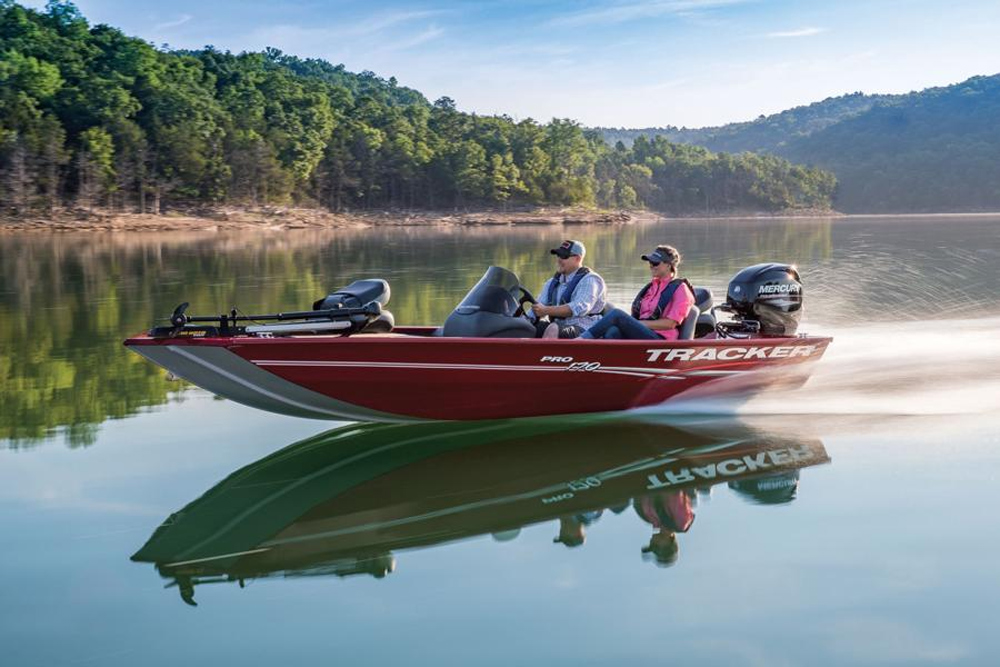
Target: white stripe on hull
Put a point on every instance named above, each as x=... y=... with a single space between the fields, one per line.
x=660 y=373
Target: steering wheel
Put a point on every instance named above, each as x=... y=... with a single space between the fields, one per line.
x=526 y=297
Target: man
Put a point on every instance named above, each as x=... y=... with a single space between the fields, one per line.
x=573 y=298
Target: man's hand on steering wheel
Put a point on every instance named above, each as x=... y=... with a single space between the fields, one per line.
x=526 y=297
x=539 y=310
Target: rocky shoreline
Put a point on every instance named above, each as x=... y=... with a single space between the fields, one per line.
x=290 y=218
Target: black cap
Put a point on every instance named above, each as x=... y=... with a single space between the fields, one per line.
x=663 y=254
x=568 y=248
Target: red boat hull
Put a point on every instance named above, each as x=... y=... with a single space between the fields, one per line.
x=411 y=375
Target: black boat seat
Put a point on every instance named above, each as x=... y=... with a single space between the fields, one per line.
x=704 y=325
x=687 y=327
x=704 y=299
x=357 y=294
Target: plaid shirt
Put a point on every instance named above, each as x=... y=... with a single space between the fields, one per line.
x=587 y=302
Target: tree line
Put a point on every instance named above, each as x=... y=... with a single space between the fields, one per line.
x=92 y=118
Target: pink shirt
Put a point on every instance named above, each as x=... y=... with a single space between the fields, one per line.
x=676 y=507
x=676 y=310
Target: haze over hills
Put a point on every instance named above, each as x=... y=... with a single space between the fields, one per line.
x=766 y=134
x=935 y=150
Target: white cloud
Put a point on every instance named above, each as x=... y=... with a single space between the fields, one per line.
x=801 y=32
x=383 y=21
x=184 y=18
x=340 y=43
x=624 y=12
x=423 y=37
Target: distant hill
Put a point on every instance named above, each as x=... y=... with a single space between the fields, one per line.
x=765 y=134
x=929 y=151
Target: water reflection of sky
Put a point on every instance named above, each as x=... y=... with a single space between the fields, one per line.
x=885 y=555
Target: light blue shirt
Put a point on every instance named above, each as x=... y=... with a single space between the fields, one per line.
x=587 y=301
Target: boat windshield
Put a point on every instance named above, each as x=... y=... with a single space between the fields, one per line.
x=496 y=292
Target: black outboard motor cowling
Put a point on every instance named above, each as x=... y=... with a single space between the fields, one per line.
x=774 y=489
x=769 y=293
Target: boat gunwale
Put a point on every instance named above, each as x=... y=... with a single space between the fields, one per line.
x=231 y=341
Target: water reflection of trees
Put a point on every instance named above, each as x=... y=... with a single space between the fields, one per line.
x=67 y=301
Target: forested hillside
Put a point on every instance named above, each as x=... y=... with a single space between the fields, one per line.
x=766 y=134
x=91 y=118
x=936 y=150
x=929 y=151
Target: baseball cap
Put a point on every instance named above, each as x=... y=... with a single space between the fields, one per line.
x=664 y=253
x=662 y=549
x=567 y=248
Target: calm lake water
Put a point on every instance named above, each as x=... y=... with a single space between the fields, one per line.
x=853 y=521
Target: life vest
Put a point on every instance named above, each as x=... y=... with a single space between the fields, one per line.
x=671 y=510
x=550 y=295
x=665 y=296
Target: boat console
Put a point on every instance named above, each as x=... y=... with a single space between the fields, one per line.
x=492 y=309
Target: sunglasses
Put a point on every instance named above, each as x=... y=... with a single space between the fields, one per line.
x=656 y=264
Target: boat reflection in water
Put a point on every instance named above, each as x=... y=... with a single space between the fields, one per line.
x=343 y=502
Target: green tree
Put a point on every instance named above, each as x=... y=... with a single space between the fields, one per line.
x=95 y=166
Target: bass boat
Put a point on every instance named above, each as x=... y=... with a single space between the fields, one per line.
x=346 y=359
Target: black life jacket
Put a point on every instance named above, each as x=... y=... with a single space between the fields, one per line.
x=665 y=296
x=550 y=295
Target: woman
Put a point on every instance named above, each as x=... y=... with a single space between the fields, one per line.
x=658 y=308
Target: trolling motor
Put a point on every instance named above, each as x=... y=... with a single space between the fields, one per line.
x=349 y=310
x=764 y=299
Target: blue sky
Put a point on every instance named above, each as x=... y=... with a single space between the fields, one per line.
x=633 y=63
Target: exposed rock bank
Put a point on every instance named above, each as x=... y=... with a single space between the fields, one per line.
x=286 y=218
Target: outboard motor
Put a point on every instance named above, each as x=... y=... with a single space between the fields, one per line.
x=774 y=489
x=769 y=294
x=489 y=309
x=357 y=295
